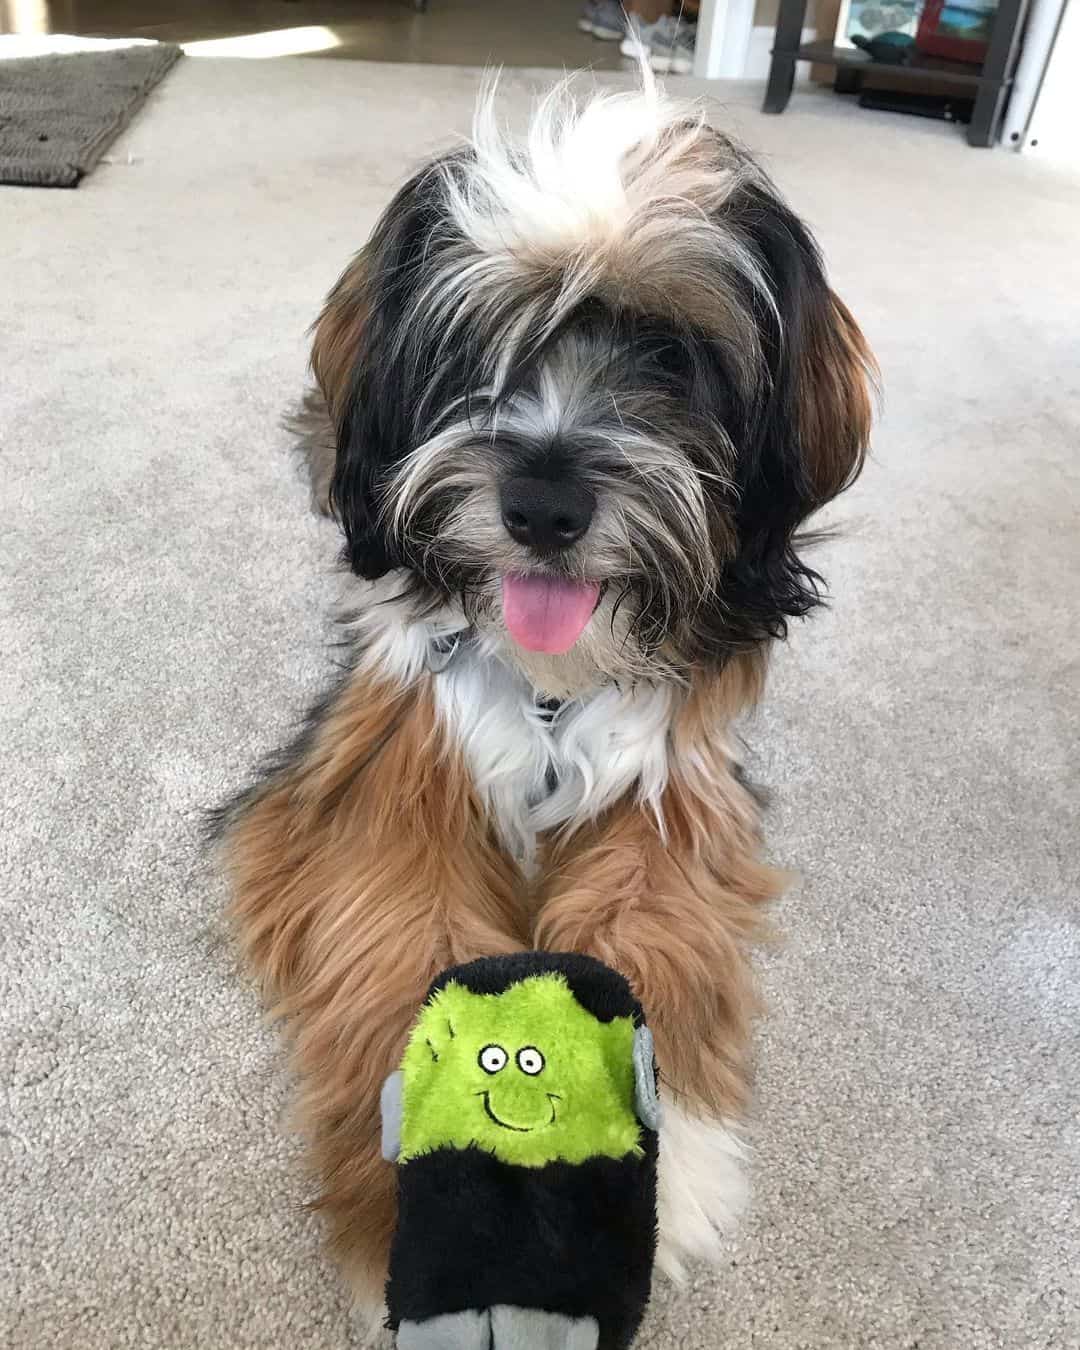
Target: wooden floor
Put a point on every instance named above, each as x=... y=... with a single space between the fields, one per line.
x=455 y=32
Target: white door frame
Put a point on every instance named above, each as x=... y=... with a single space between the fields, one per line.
x=1055 y=113
x=723 y=39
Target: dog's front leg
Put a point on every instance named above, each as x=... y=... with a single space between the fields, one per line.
x=360 y=868
x=671 y=899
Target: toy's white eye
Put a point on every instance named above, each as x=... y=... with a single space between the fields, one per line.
x=530 y=1060
x=493 y=1058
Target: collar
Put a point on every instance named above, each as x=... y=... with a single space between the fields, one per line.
x=443 y=651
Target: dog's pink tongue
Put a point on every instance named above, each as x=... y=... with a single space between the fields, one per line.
x=547 y=614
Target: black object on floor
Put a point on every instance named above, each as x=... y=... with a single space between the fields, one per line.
x=59 y=114
x=940 y=107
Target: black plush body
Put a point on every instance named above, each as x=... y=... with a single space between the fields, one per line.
x=474 y=1232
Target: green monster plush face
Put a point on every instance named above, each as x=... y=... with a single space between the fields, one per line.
x=529 y=1075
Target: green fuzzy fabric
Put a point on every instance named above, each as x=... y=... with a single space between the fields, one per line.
x=578 y=1102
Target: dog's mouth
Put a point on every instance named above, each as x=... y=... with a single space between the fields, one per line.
x=519 y=1129
x=545 y=613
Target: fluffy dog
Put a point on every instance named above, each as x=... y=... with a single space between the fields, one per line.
x=581 y=388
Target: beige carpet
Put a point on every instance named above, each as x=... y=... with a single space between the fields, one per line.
x=161 y=619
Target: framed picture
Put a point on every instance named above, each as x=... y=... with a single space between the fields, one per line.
x=871 y=18
x=956 y=29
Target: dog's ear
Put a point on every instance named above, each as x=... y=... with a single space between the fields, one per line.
x=814 y=421
x=344 y=361
x=806 y=438
x=833 y=404
x=367 y=358
x=339 y=334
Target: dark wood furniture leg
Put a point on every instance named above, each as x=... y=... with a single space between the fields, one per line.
x=998 y=69
x=789 y=28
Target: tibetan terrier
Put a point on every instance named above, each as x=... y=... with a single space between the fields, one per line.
x=581 y=388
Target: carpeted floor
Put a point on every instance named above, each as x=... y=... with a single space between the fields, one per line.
x=162 y=601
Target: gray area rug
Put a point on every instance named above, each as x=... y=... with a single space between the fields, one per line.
x=59 y=114
x=163 y=592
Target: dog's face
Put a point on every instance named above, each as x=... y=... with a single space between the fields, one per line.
x=589 y=385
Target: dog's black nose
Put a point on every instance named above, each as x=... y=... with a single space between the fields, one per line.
x=545 y=515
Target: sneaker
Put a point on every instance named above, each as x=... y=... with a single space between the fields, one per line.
x=638 y=36
x=604 y=19
x=671 y=46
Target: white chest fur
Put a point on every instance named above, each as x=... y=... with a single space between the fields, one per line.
x=539 y=770
x=535 y=770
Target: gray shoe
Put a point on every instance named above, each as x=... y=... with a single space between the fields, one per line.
x=671 y=46
x=604 y=19
x=638 y=36
x=585 y=18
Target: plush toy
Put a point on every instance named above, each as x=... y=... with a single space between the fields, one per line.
x=523 y=1121
x=891 y=49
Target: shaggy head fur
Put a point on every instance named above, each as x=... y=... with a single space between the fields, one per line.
x=619 y=312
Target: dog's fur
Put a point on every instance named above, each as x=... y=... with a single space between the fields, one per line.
x=621 y=301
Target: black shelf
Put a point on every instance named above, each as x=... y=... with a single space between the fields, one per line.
x=919 y=68
x=990 y=82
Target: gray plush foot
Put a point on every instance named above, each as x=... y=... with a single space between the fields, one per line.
x=452 y=1331
x=531 y=1329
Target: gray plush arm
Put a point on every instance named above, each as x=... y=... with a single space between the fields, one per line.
x=646 y=1097
x=390 y=1106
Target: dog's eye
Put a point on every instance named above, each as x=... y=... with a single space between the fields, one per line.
x=493 y=1058
x=530 y=1060
x=671 y=359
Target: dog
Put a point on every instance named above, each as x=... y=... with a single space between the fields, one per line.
x=575 y=397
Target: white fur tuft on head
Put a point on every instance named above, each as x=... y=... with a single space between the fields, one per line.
x=564 y=182
x=599 y=185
